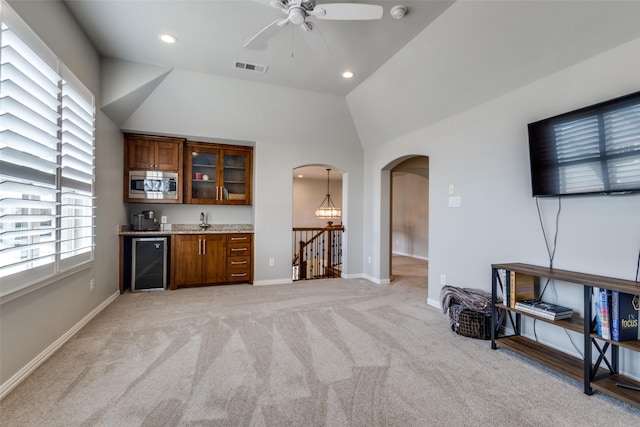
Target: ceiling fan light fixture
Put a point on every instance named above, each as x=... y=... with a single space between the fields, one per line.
x=168 y=38
x=348 y=74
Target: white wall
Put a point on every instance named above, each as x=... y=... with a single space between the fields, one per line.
x=33 y=324
x=410 y=215
x=484 y=153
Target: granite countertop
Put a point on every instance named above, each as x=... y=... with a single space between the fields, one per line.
x=125 y=230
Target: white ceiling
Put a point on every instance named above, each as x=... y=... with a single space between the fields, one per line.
x=211 y=34
x=441 y=59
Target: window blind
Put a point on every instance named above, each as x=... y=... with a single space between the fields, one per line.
x=77 y=157
x=47 y=121
x=600 y=151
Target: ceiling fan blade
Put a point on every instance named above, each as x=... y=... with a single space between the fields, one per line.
x=259 y=41
x=348 y=11
x=279 y=4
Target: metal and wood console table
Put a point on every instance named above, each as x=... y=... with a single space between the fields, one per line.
x=602 y=375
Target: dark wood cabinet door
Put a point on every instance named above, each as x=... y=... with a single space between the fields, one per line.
x=141 y=154
x=218 y=174
x=214 y=258
x=148 y=152
x=236 y=173
x=167 y=156
x=188 y=259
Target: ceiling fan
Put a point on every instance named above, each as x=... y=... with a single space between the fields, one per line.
x=297 y=12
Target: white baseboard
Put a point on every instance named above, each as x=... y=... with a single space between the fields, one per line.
x=374 y=280
x=273 y=282
x=30 y=367
x=434 y=303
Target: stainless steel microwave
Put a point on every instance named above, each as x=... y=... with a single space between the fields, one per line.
x=153 y=185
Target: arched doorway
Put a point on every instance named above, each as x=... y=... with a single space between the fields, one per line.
x=317 y=229
x=408 y=222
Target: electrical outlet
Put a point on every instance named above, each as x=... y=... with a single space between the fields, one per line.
x=92 y=285
x=443 y=279
x=272 y=262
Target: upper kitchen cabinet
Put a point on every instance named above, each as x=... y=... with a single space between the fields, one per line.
x=218 y=174
x=157 y=153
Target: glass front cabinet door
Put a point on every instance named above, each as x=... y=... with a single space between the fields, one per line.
x=218 y=174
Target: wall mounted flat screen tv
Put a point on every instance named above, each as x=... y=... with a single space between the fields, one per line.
x=593 y=150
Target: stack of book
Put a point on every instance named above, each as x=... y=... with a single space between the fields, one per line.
x=546 y=310
x=616 y=315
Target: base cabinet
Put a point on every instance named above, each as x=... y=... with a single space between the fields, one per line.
x=239 y=259
x=211 y=259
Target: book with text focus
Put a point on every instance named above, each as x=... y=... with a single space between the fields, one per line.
x=624 y=316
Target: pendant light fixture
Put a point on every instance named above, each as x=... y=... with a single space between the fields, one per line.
x=330 y=210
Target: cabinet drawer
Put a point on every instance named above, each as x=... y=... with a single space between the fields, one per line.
x=239 y=238
x=238 y=275
x=238 y=249
x=237 y=262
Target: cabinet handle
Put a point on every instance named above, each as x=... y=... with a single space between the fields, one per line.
x=239 y=238
x=238 y=262
x=239 y=275
x=204 y=247
x=199 y=246
x=238 y=249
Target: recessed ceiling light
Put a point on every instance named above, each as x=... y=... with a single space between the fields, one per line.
x=168 y=38
x=300 y=176
x=348 y=74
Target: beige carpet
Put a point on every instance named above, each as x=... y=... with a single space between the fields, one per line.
x=316 y=353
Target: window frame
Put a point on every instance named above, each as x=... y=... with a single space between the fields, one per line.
x=78 y=178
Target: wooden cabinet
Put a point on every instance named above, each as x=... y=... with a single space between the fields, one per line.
x=199 y=259
x=239 y=258
x=218 y=174
x=147 y=152
x=602 y=375
x=211 y=259
x=152 y=157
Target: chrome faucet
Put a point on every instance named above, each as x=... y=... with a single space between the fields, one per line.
x=203 y=222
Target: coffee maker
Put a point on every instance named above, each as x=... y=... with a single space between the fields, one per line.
x=145 y=221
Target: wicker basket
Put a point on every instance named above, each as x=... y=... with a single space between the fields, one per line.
x=470 y=323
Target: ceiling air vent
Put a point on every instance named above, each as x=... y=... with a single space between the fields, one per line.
x=251 y=67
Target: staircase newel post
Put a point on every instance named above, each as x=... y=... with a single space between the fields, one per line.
x=329 y=270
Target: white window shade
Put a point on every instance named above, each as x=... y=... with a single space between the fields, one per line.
x=47 y=122
x=77 y=229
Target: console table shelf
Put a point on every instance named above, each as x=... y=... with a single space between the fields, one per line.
x=547 y=356
x=602 y=376
x=574 y=323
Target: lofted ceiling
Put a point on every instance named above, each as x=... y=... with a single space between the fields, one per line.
x=442 y=58
x=211 y=35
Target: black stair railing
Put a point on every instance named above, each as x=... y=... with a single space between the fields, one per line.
x=317 y=252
